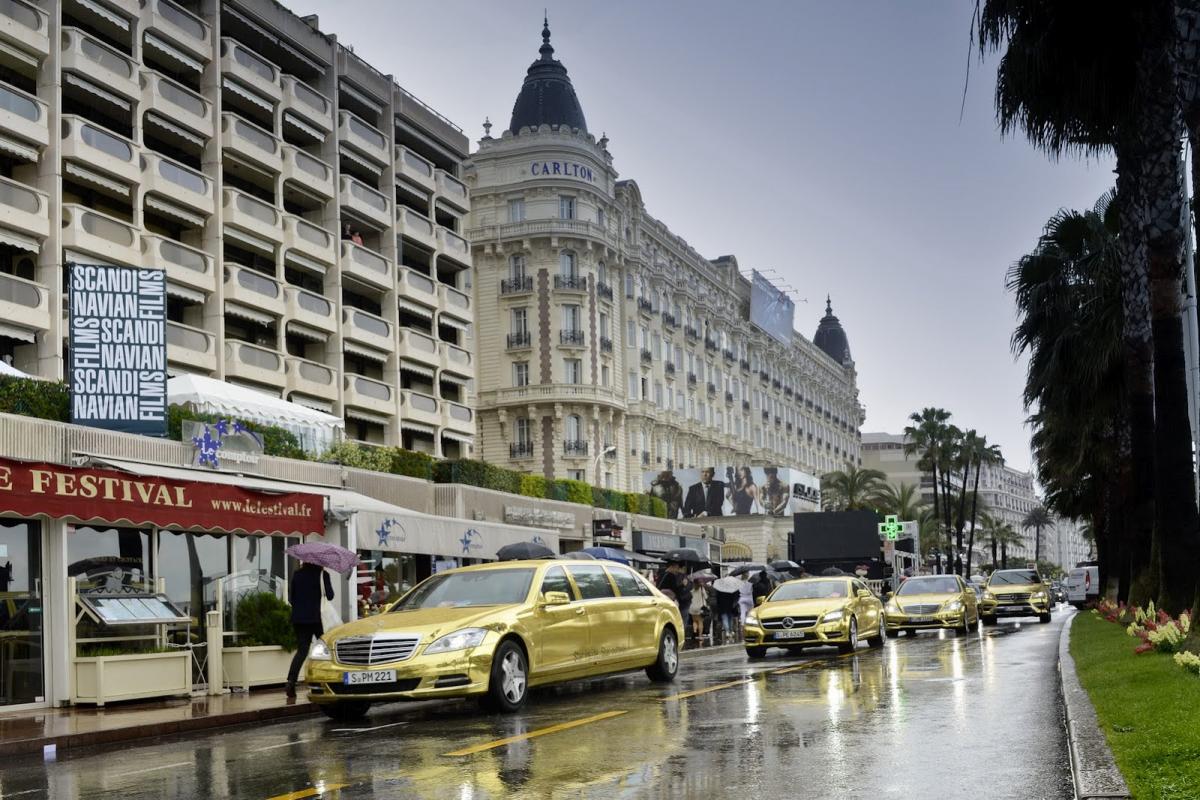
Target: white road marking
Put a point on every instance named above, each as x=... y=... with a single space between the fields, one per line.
x=365 y=730
x=276 y=746
x=18 y=794
x=160 y=766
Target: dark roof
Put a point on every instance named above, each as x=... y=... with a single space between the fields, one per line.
x=831 y=337
x=547 y=96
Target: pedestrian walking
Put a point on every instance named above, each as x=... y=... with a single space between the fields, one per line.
x=697 y=608
x=304 y=593
x=674 y=580
x=761 y=586
x=745 y=601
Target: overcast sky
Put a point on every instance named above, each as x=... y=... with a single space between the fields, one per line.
x=821 y=140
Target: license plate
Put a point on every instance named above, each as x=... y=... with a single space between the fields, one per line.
x=369 y=676
x=789 y=635
x=925 y=618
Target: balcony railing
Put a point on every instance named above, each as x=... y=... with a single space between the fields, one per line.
x=668 y=319
x=575 y=283
x=604 y=290
x=712 y=389
x=729 y=398
x=745 y=365
x=519 y=285
x=520 y=450
x=647 y=357
x=765 y=377
x=519 y=341
x=606 y=344
x=691 y=333
x=745 y=405
x=571 y=337
x=670 y=368
x=729 y=356
x=710 y=345
x=691 y=379
x=575 y=447
x=645 y=306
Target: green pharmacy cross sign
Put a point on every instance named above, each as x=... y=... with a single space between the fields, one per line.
x=891 y=527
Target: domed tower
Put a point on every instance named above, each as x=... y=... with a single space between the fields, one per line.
x=831 y=337
x=547 y=96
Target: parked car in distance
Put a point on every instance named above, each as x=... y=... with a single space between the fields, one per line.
x=1083 y=584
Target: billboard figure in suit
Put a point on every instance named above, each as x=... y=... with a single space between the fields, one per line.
x=704 y=499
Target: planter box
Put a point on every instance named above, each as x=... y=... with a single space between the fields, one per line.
x=255 y=666
x=102 y=679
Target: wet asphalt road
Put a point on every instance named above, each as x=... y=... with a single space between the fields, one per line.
x=935 y=716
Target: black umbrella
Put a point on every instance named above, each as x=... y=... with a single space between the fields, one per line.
x=831 y=571
x=579 y=555
x=783 y=565
x=744 y=568
x=523 y=550
x=684 y=555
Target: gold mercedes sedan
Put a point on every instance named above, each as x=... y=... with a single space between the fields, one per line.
x=932 y=601
x=493 y=631
x=811 y=612
x=1015 y=593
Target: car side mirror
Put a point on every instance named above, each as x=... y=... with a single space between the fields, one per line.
x=555 y=598
x=865 y=593
x=758 y=601
x=888 y=595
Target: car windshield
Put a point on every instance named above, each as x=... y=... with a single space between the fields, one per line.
x=810 y=590
x=940 y=584
x=493 y=587
x=1017 y=576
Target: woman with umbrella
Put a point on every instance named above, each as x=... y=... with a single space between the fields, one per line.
x=305 y=592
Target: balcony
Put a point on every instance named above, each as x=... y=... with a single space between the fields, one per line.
x=100 y=235
x=712 y=390
x=458 y=303
x=668 y=320
x=419 y=407
x=729 y=356
x=520 y=450
x=691 y=379
x=310 y=309
x=254 y=290
x=368 y=394
x=419 y=347
x=251 y=70
x=366 y=265
x=301 y=236
x=311 y=378
x=455 y=359
x=745 y=365
x=253 y=363
x=370 y=206
x=100 y=64
x=176 y=104
x=308 y=173
x=418 y=287
x=603 y=290
x=176 y=32
x=25 y=26
x=24 y=303
x=251 y=143
x=776 y=385
x=453 y=191
x=570 y=283
x=252 y=215
x=186 y=266
x=554 y=392
x=24 y=210
x=519 y=341
x=458 y=418
x=729 y=398
x=606 y=344
x=575 y=448
x=306 y=109
x=417 y=227
x=178 y=183
x=23 y=116
x=367 y=329
x=765 y=377
x=364 y=138
x=521 y=285
x=745 y=405
x=572 y=338
x=669 y=368
x=99 y=149
x=191 y=347
x=710 y=345
x=691 y=334
x=454 y=246
x=647 y=357
x=645 y=306
x=415 y=168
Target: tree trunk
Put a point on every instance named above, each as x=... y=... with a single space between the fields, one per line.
x=1003 y=555
x=974 y=510
x=947 y=510
x=1037 y=544
x=936 y=518
x=995 y=560
x=962 y=519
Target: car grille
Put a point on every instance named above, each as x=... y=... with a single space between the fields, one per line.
x=927 y=608
x=366 y=651
x=406 y=685
x=797 y=622
x=1013 y=598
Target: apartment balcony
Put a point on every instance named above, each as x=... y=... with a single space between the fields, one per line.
x=310 y=309
x=254 y=290
x=367 y=266
x=522 y=340
x=251 y=143
x=691 y=334
x=366 y=139
x=515 y=286
x=453 y=191
x=311 y=378
x=306 y=109
x=23 y=117
x=710 y=345
x=729 y=356
x=367 y=329
x=765 y=377
x=305 y=238
x=100 y=235
x=729 y=398
x=419 y=407
x=25 y=26
x=745 y=365
x=251 y=70
x=368 y=394
x=458 y=418
x=24 y=304
x=177 y=33
x=185 y=266
x=570 y=283
x=311 y=174
x=556 y=392
x=645 y=306
x=253 y=363
x=520 y=450
x=691 y=379
x=669 y=369
x=252 y=216
x=572 y=338
x=100 y=64
x=606 y=344
x=457 y=360
x=372 y=207
x=668 y=320
x=604 y=291
x=178 y=183
x=415 y=168
x=98 y=149
x=712 y=390
x=175 y=104
x=419 y=347
x=454 y=246
x=418 y=287
x=575 y=448
x=647 y=357
x=191 y=347
x=745 y=405
x=417 y=227
x=455 y=302
x=24 y=210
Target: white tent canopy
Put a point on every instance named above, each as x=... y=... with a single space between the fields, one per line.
x=315 y=429
x=11 y=371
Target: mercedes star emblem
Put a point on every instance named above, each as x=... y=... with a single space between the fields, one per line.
x=788 y=622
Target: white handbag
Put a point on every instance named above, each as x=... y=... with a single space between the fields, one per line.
x=330 y=618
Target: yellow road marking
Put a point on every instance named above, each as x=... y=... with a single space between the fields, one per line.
x=805 y=665
x=479 y=748
x=694 y=692
x=310 y=792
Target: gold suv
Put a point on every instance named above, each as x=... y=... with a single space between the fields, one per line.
x=815 y=611
x=493 y=631
x=933 y=601
x=1015 y=593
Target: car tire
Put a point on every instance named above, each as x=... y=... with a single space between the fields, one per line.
x=851 y=643
x=756 y=652
x=988 y=619
x=345 y=710
x=666 y=665
x=1044 y=618
x=508 y=685
x=878 y=639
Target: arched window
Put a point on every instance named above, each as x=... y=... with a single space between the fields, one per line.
x=566 y=264
x=574 y=428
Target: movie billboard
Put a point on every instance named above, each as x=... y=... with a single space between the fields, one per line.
x=117 y=370
x=771 y=309
x=731 y=491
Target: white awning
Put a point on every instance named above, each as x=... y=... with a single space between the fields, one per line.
x=416 y=369
x=415 y=308
x=15 y=332
x=304 y=58
x=253 y=25
x=185 y=293
x=17 y=54
x=426 y=534
x=417 y=427
x=369 y=102
x=451 y=322
x=172 y=210
x=95 y=178
x=304 y=261
x=307 y=332
x=458 y=437
x=248 y=239
x=350 y=155
x=173 y=52
x=323 y=406
x=367 y=416
x=248 y=95
x=171 y=127
x=299 y=124
x=92 y=88
x=21 y=151
x=19 y=241
x=104 y=12
x=354 y=348
x=457 y=381
x=245 y=312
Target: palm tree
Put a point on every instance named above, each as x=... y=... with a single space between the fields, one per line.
x=926 y=438
x=851 y=489
x=904 y=501
x=1037 y=518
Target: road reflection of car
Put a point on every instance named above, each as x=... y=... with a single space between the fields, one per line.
x=1015 y=593
x=493 y=631
x=933 y=601
x=811 y=612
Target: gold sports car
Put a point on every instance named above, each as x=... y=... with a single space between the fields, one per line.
x=811 y=612
x=493 y=631
x=1015 y=593
x=933 y=601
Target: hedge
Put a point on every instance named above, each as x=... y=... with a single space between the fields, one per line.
x=533 y=486
x=276 y=440
x=477 y=473
x=33 y=398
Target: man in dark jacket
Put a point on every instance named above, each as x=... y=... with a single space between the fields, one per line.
x=704 y=499
x=674 y=580
x=761 y=586
x=304 y=594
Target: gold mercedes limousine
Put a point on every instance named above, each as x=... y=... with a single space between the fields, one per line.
x=493 y=631
x=811 y=612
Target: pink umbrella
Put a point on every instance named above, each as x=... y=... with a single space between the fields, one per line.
x=702 y=576
x=323 y=554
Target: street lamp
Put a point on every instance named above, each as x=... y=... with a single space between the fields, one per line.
x=606 y=451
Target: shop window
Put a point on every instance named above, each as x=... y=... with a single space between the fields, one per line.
x=391 y=576
x=108 y=558
x=20 y=613
x=262 y=556
x=190 y=564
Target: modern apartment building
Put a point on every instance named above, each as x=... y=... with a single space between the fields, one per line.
x=607 y=345
x=307 y=210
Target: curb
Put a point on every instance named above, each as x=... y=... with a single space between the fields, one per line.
x=700 y=651
x=1094 y=772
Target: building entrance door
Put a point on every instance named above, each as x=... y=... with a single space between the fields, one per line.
x=21 y=669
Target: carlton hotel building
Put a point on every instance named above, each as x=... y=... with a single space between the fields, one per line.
x=606 y=345
x=307 y=210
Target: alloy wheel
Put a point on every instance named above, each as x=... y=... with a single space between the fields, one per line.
x=513 y=681
x=670 y=656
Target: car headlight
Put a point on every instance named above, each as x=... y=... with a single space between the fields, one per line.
x=752 y=618
x=989 y=596
x=893 y=607
x=1040 y=596
x=833 y=616
x=319 y=651
x=954 y=605
x=459 y=640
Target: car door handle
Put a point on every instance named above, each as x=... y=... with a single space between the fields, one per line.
x=578 y=611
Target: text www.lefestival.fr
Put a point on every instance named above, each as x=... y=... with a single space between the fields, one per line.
x=261 y=509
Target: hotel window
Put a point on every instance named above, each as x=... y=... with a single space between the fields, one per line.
x=516 y=210
x=600 y=217
x=633 y=386
x=574 y=428
x=628 y=285
x=566 y=264
x=521 y=373
x=570 y=318
x=576 y=475
x=572 y=370
x=602 y=273
x=520 y=321
x=523 y=431
x=566 y=207
x=603 y=325
x=516 y=267
x=604 y=375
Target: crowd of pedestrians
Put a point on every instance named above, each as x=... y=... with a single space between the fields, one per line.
x=713 y=609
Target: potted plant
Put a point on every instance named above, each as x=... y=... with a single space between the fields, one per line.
x=129 y=670
x=265 y=642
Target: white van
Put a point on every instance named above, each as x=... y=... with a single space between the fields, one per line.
x=1083 y=584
